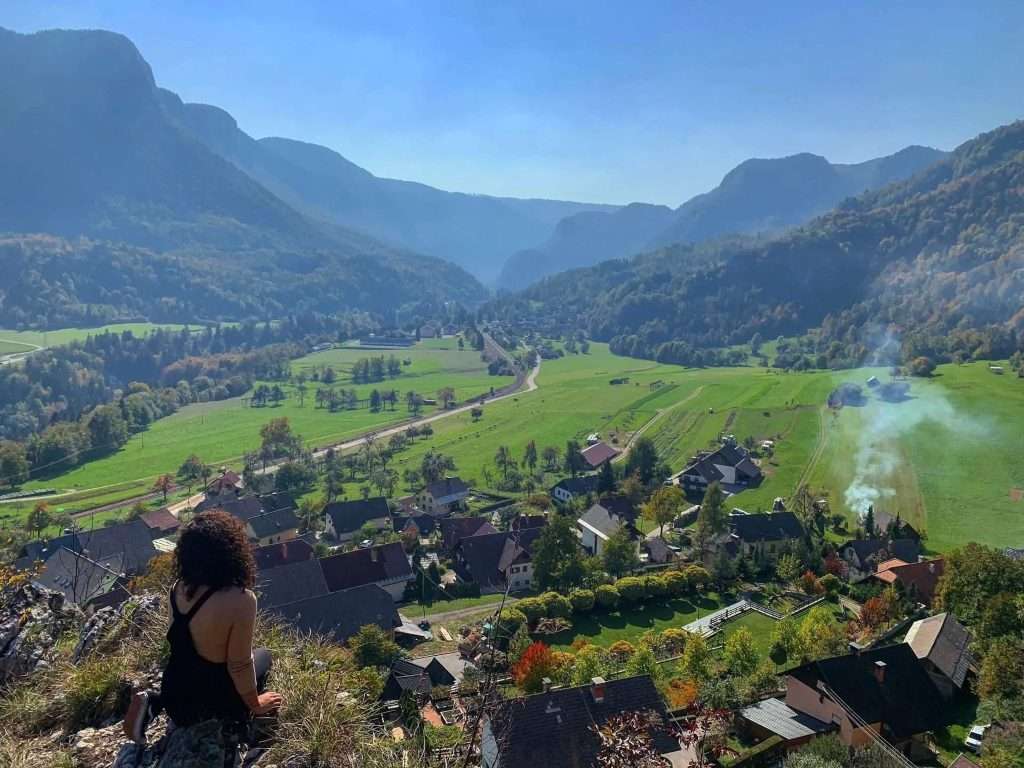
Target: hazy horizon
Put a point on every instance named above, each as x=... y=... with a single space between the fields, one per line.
x=652 y=104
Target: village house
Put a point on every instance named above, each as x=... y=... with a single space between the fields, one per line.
x=730 y=466
x=344 y=519
x=420 y=524
x=597 y=455
x=387 y=566
x=918 y=580
x=289 y=583
x=455 y=529
x=654 y=550
x=90 y=566
x=225 y=486
x=340 y=615
x=765 y=535
x=568 y=489
x=943 y=646
x=604 y=518
x=555 y=729
x=283 y=553
x=497 y=560
x=861 y=556
x=443 y=496
x=886 y=690
x=420 y=676
x=161 y=523
x=269 y=518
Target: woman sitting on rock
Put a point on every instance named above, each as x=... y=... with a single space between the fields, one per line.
x=213 y=671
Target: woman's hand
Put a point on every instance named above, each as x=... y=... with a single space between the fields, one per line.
x=268 y=702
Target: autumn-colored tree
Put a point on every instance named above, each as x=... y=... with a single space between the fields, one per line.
x=702 y=731
x=833 y=564
x=536 y=663
x=873 y=613
x=164 y=485
x=680 y=693
x=664 y=506
x=810 y=585
x=621 y=650
x=626 y=740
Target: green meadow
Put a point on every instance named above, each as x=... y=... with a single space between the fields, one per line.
x=947 y=459
x=220 y=432
x=23 y=341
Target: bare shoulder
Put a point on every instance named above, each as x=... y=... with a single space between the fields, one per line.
x=238 y=600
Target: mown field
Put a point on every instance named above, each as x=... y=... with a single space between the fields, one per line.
x=947 y=459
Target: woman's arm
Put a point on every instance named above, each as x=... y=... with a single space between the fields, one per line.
x=239 y=655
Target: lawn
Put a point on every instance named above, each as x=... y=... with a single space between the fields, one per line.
x=457 y=604
x=629 y=624
x=759 y=625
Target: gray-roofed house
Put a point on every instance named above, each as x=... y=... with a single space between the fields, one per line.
x=861 y=557
x=497 y=560
x=455 y=529
x=161 y=523
x=569 y=488
x=387 y=566
x=339 y=615
x=269 y=518
x=273 y=527
x=654 y=550
x=443 y=497
x=422 y=525
x=943 y=645
x=283 y=553
x=130 y=542
x=290 y=583
x=344 y=519
x=604 y=518
x=730 y=466
x=406 y=675
x=773 y=717
x=82 y=580
x=555 y=729
x=765 y=534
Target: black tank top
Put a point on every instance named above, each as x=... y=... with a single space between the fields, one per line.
x=194 y=689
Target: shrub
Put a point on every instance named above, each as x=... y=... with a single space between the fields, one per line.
x=607 y=597
x=442 y=736
x=533 y=608
x=654 y=586
x=556 y=606
x=831 y=585
x=673 y=640
x=631 y=589
x=371 y=647
x=697 y=577
x=95 y=691
x=582 y=600
x=509 y=621
x=621 y=650
x=675 y=583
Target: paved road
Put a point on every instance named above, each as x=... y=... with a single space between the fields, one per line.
x=528 y=384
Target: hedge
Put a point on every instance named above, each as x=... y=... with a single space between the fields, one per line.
x=582 y=600
x=631 y=589
x=556 y=606
x=607 y=596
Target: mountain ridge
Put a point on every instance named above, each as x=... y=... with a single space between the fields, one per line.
x=758 y=196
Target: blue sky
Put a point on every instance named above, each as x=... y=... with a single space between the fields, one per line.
x=599 y=101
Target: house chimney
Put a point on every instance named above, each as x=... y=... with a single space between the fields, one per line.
x=545 y=684
x=880 y=671
x=597 y=689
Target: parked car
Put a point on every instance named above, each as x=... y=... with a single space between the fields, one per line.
x=975 y=737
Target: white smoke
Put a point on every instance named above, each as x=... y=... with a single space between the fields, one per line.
x=883 y=425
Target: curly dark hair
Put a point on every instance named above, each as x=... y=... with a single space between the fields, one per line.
x=214 y=551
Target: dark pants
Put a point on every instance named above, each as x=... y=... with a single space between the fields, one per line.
x=261 y=662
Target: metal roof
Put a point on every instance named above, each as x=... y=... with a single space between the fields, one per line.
x=779 y=718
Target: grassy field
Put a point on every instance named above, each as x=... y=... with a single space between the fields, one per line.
x=759 y=625
x=946 y=459
x=220 y=432
x=629 y=624
x=26 y=340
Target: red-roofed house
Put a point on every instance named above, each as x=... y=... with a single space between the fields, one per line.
x=160 y=522
x=918 y=579
x=598 y=454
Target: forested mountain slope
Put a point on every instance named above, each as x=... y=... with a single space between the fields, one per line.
x=89 y=148
x=478 y=232
x=928 y=258
x=758 y=196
